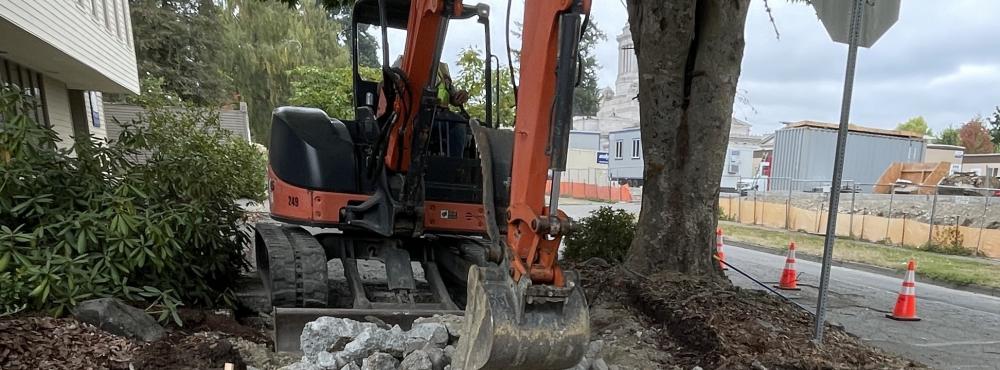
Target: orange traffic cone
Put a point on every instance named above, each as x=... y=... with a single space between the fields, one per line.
x=789 y=278
x=906 y=304
x=718 y=249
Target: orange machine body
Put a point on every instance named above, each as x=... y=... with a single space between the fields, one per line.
x=534 y=250
x=323 y=208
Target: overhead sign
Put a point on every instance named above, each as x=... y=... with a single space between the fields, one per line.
x=602 y=157
x=877 y=17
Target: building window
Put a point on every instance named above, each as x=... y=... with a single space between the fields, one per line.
x=734 y=162
x=31 y=84
x=995 y=171
x=95 y=114
x=636 y=148
x=618 y=149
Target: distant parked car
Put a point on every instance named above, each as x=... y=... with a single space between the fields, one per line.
x=744 y=187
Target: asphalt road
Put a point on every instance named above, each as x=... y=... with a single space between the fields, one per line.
x=959 y=330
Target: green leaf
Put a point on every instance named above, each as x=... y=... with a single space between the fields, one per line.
x=81 y=242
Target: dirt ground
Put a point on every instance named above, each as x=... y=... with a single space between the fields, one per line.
x=660 y=322
x=670 y=321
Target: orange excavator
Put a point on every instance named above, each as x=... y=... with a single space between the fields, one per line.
x=407 y=183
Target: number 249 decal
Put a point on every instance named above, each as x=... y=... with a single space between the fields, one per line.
x=293 y=201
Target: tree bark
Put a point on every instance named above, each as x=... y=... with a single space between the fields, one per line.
x=689 y=54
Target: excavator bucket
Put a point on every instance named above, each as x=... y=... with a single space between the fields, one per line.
x=522 y=326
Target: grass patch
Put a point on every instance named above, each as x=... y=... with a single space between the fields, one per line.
x=945 y=268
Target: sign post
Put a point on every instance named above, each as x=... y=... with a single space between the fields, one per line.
x=857 y=23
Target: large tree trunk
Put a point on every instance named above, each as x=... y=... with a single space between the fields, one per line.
x=689 y=54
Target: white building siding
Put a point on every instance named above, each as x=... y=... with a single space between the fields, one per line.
x=236 y=122
x=95 y=33
x=57 y=103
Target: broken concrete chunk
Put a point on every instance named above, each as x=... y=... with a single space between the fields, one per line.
x=325 y=332
x=417 y=360
x=438 y=358
x=453 y=323
x=369 y=342
x=433 y=332
x=301 y=366
x=326 y=360
x=351 y=366
x=116 y=317
x=379 y=361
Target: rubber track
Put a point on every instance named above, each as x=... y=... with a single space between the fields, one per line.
x=297 y=267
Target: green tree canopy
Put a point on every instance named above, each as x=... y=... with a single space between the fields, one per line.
x=587 y=95
x=331 y=90
x=179 y=41
x=367 y=43
x=995 y=129
x=471 y=78
x=267 y=39
x=915 y=125
x=948 y=136
x=975 y=138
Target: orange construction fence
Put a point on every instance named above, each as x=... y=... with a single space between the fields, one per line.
x=579 y=190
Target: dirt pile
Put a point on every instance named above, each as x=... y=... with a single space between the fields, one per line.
x=674 y=321
x=206 y=350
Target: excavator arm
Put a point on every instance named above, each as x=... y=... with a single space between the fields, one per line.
x=531 y=314
x=527 y=313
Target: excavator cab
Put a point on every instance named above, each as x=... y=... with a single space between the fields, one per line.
x=390 y=185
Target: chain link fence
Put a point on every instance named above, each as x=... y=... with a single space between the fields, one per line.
x=960 y=220
x=593 y=184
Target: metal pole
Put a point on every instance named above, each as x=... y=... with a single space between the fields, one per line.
x=902 y=236
x=788 y=205
x=739 y=204
x=854 y=195
x=838 y=169
x=930 y=230
x=819 y=214
x=982 y=224
x=888 y=216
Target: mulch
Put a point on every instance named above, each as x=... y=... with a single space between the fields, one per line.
x=50 y=343
x=38 y=342
x=714 y=325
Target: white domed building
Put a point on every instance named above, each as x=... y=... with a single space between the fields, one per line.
x=617 y=121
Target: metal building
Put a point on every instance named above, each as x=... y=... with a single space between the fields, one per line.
x=804 y=150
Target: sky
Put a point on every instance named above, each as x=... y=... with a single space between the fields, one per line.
x=941 y=60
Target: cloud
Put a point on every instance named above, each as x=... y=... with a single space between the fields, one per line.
x=939 y=60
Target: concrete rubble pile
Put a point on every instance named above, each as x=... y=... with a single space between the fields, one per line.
x=331 y=343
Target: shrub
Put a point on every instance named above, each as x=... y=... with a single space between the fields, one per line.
x=725 y=217
x=93 y=221
x=948 y=240
x=607 y=233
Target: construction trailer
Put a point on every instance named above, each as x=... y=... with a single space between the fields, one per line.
x=804 y=153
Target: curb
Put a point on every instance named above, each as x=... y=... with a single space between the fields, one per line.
x=972 y=288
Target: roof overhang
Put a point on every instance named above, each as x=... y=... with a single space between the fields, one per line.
x=24 y=48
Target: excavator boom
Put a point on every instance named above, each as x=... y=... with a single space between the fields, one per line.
x=401 y=189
